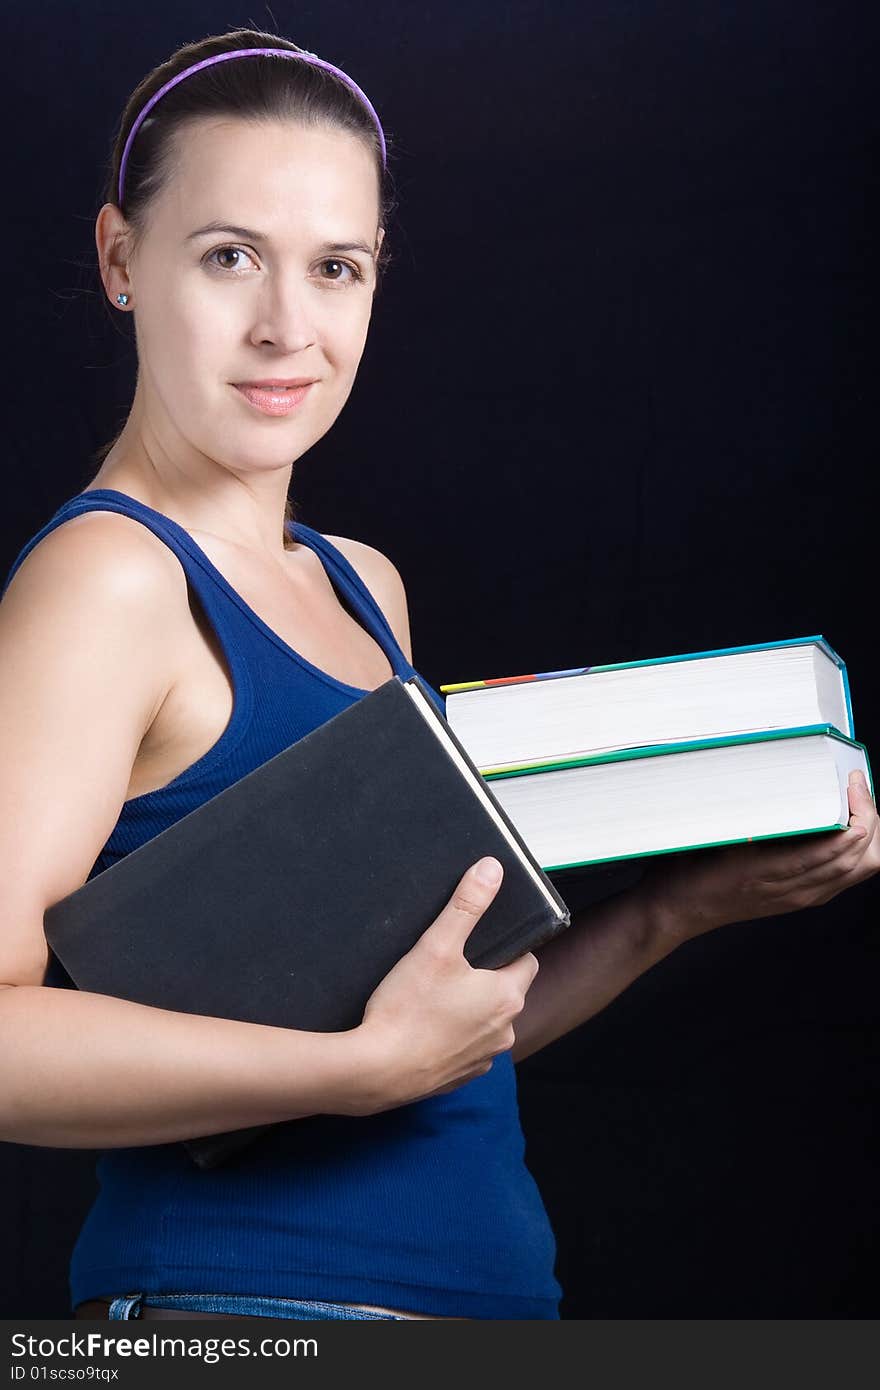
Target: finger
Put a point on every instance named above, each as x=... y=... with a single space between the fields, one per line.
x=521 y=971
x=809 y=853
x=821 y=888
x=473 y=894
x=858 y=784
x=859 y=859
x=814 y=851
x=863 y=824
x=861 y=802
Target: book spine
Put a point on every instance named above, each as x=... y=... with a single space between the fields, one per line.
x=826 y=647
x=522 y=940
x=514 y=680
x=818 y=639
x=844 y=676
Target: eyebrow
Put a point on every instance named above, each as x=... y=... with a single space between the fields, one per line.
x=247 y=234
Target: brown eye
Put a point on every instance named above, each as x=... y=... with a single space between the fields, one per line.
x=233 y=258
x=354 y=273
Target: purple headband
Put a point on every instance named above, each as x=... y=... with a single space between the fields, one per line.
x=244 y=53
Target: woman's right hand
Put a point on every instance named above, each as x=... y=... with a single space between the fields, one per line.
x=435 y=1021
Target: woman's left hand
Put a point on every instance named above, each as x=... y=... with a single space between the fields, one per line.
x=694 y=891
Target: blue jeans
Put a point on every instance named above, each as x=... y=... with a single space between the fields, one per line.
x=249 y=1305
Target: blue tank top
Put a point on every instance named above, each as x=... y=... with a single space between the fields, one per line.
x=428 y=1207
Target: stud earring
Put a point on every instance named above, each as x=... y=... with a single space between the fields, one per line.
x=122 y=299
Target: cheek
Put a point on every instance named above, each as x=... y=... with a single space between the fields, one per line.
x=187 y=338
x=206 y=323
x=349 y=336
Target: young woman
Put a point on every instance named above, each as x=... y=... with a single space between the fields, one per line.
x=170 y=628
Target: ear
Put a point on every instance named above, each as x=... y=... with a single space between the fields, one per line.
x=113 y=242
x=380 y=237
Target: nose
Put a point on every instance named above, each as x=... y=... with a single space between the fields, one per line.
x=283 y=318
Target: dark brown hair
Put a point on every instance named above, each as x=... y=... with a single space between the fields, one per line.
x=255 y=89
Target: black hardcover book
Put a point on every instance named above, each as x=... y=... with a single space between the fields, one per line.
x=286 y=898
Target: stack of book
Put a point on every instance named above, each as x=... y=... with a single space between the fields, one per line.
x=610 y=763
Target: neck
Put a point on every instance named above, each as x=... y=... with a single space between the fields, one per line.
x=243 y=508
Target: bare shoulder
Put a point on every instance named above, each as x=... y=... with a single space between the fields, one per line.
x=384 y=582
x=85 y=623
x=100 y=592
x=105 y=552
x=367 y=560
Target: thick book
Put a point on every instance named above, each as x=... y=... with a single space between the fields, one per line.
x=669 y=699
x=622 y=806
x=288 y=896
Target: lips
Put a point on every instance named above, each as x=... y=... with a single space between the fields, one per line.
x=274 y=397
x=265 y=383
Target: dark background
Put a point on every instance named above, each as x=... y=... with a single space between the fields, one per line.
x=617 y=402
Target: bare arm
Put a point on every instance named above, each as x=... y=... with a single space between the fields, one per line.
x=606 y=947
x=89 y=1071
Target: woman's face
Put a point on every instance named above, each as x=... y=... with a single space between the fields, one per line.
x=257 y=264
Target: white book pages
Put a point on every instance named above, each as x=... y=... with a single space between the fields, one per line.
x=681 y=800
x=669 y=702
